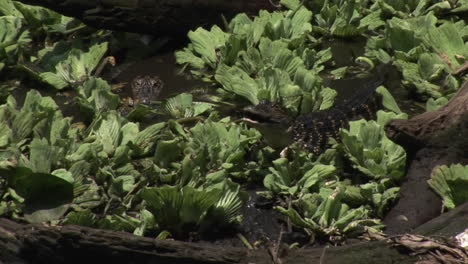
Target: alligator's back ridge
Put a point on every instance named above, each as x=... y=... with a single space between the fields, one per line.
x=312 y=130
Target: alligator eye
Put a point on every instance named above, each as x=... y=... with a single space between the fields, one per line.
x=264 y=102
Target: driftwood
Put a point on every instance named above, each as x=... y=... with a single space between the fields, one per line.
x=417 y=131
x=432 y=138
x=156 y=17
x=34 y=243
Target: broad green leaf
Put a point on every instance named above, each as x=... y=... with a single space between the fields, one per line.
x=449 y=44
x=43 y=155
x=106 y=128
x=180 y=210
x=5 y=135
x=46 y=195
x=182 y=106
x=7 y=8
x=371 y=151
x=187 y=56
x=75 y=67
x=451 y=183
x=83 y=218
x=14 y=40
x=95 y=96
x=291 y=4
x=387 y=100
x=432 y=104
x=207 y=43
x=146 y=139
x=167 y=151
x=122 y=185
x=237 y=81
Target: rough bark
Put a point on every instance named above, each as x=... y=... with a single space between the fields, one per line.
x=417 y=131
x=156 y=17
x=33 y=243
x=74 y=244
x=432 y=138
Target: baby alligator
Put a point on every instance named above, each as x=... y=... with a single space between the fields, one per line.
x=312 y=130
x=146 y=89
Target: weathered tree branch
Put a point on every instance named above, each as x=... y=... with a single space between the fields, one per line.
x=33 y=243
x=432 y=139
x=417 y=131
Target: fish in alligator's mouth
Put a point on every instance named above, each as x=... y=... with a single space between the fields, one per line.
x=312 y=130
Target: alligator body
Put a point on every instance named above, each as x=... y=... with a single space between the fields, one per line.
x=312 y=130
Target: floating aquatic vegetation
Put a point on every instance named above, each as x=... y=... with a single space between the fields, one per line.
x=13 y=40
x=371 y=151
x=188 y=209
x=265 y=58
x=74 y=67
x=183 y=106
x=298 y=176
x=450 y=183
x=341 y=18
x=426 y=53
x=95 y=96
x=19 y=23
x=325 y=214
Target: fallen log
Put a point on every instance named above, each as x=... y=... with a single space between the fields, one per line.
x=155 y=17
x=35 y=243
x=433 y=138
x=416 y=132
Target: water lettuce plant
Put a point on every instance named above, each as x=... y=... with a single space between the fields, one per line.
x=370 y=151
x=13 y=40
x=265 y=58
x=183 y=106
x=181 y=211
x=35 y=139
x=450 y=183
x=53 y=170
x=341 y=18
x=298 y=174
x=426 y=51
x=64 y=65
x=325 y=214
x=20 y=23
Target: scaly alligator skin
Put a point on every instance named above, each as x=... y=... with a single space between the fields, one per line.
x=312 y=130
x=146 y=88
